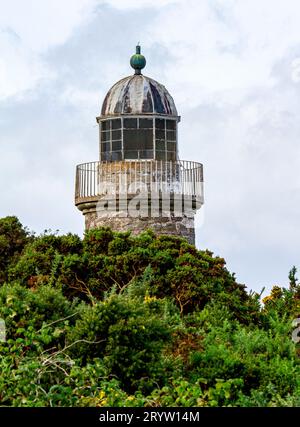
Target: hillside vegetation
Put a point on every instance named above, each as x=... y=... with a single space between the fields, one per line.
x=118 y=320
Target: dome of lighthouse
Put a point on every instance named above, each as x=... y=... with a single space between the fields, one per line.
x=138 y=94
x=138 y=119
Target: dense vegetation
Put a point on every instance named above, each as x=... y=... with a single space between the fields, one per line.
x=117 y=320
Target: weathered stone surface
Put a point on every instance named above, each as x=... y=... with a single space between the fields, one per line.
x=120 y=221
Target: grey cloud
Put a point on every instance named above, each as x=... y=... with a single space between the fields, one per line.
x=252 y=182
x=11 y=33
x=44 y=134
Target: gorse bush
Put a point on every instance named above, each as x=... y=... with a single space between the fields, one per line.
x=105 y=259
x=119 y=320
x=13 y=238
x=128 y=334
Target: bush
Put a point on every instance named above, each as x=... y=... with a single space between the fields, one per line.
x=119 y=320
x=13 y=238
x=129 y=334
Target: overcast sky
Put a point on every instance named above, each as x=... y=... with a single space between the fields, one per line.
x=233 y=69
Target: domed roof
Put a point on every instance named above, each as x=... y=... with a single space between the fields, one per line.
x=138 y=94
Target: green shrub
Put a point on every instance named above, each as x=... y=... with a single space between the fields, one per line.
x=13 y=238
x=119 y=320
x=129 y=334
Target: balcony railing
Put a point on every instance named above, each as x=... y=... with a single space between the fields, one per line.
x=98 y=179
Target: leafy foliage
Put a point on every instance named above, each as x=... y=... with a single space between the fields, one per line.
x=13 y=238
x=117 y=320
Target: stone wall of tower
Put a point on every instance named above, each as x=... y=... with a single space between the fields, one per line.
x=171 y=225
x=132 y=176
x=139 y=195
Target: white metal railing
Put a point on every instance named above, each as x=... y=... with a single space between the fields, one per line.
x=101 y=178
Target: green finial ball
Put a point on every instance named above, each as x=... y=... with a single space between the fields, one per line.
x=138 y=61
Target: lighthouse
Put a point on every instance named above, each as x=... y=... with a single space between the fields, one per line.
x=139 y=182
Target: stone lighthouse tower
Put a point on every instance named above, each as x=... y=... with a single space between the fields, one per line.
x=139 y=181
